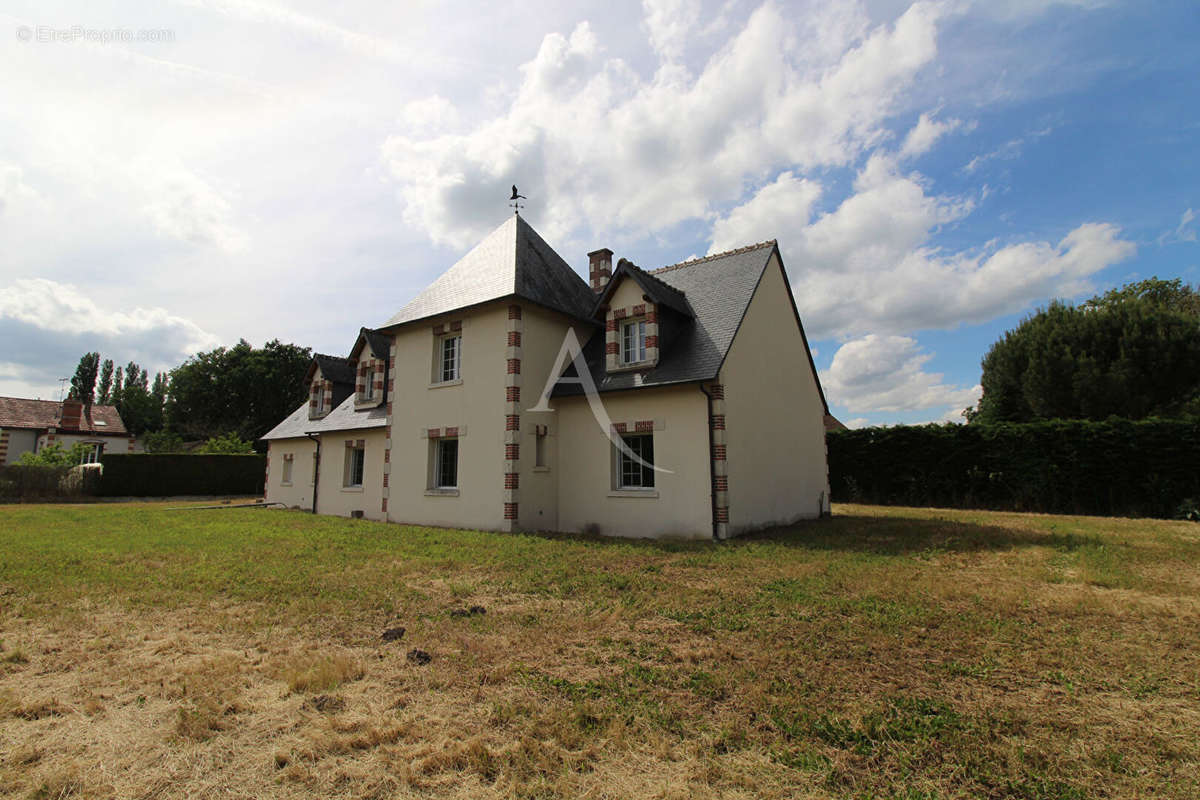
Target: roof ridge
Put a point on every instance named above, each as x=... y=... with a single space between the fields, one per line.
x=703 y=259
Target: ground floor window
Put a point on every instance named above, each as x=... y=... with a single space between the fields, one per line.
x=635 y=462
x=92 y=454
x=287 y=469
x=445 y=464
x=355 y=458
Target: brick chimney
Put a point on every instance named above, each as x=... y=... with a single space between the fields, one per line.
x=72 y=415
x=600 y=263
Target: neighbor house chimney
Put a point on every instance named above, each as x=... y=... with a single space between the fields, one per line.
x=72 y=415
x=600 y=262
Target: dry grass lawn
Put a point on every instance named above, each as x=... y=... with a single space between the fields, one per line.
x=886 y=653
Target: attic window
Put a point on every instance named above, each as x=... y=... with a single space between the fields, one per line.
x=369 y=387
x=633 y=342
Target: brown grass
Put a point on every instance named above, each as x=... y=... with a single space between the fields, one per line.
x=887 y=653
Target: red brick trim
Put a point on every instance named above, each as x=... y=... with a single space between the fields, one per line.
x=512 y=452
x=384 y=505
x=718 y=452
x=651 y=316
x=620 y=313
x=438 y=330
x=514 y=312
x=723 y=515
x=620 y=427
x=451 y=431
x=639 y=310
x=512 y=422
x=456 y=326
x=612 y=348
x=434 y=433
x=652 y=340
x=644 y=425
x=514 y=366
x=514 y=338
x=512 y=394
x=610 y=324
x=510 y=510
x=718 y=391
x=718 y=422
x=387 y=456
x=721 y=483
x=385 y=480
x=512 y=480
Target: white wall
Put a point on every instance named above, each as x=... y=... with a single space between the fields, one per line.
x=333 y=496
x=297 y=494
x=19 y=441
x=775 y=431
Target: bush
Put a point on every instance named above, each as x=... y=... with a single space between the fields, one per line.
x=32 y=481
x=229 y=444
x=168 y=475
x=53 y=455
x=1111 y=468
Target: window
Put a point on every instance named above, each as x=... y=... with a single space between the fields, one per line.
x=92 y=454
x=369 y=388
x=451 y=358
x=633 y=473
x=633 y=342
x=319 y=396
x=445 y=467
x=539 y=448
x=355 y=457
x=287 y=470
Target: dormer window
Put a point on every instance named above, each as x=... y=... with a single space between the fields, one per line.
x=369 y=387
x=633 y=341
x=451 y=358
x=319 y=394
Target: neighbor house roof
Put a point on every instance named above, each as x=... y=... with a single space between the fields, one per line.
x=16 y=412
x=513 y=261
x=342 y=418
x=717 y=290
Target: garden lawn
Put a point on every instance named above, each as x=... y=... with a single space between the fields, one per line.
x=883 y=653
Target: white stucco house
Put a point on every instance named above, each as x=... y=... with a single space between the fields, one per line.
x=28 y=426
x=466 y=410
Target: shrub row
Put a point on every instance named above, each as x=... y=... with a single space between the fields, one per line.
x=1111 y=468
x=167 y=475
x=27 y=482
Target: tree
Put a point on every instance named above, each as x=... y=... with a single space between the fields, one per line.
x=140 y=407
x=1133 y=352
x=241 y=389
x=163 y=442
x=104 y=392
x=230 y=443
x=118 y=388
x=83 y=383
x=55 y=455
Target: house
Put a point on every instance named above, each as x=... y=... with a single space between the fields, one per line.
x=28 y=426
x=511 y=395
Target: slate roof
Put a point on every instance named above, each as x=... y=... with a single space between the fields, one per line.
x=381 y=346
x=717 y=290
x=662 y=293
x=333 y=368
x=513 y=261
x=342 y=418
x=16 y=412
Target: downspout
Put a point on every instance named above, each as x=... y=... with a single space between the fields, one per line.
x=712 y=469
x=316 y=467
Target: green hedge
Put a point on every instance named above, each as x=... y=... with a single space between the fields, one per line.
x=19 y=482
x=172 y=474
x=1112 y=468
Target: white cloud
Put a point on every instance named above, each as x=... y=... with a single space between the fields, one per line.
x=184 y=206
x=868 y=267
x=669 y=24
x=47 y=326
x=1185 y=231
x=597 y=146
x=925 y=134
x=14 y=192
x=886 y=373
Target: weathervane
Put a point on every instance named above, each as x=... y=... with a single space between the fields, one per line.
x=514 y=200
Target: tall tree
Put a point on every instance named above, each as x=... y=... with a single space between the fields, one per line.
x=241 y=389
x=1133 y=352
x=83 y=383
x=118 y=388
x=104 y=392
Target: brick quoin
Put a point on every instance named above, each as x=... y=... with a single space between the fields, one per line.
x=644 y=425
x=512 y=394
x=718 y=422
x=514 y=338
x=512 y=422
x=722 y=515
x=512 y=452
x=652 y=316
x=652 y=340
x=721 y=483
x=610 y=325
x=718 y=452
x=514 y=366
x=385 y=480
x=514 y=312
x=718 y=391
x=456 y=326
x=510 y=510
x=384 y=505
x=387 y=456
x=611 y=348
x=511 y=480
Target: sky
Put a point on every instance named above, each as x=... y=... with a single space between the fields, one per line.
x=178 y=175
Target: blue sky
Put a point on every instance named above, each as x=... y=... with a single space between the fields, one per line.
x=933 y=171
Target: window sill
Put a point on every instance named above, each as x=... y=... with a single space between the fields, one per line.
x=441 y=492
x=443 y=384
x=356 y=489
x=634 y=367
x=541 y=469
x=285 y=483
x=633 y=493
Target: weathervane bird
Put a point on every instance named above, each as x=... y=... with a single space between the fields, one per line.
x=517 y=196
x=515 y=201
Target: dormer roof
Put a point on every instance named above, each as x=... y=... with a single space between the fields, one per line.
x=379 y=344
x=661 y=293
x=333 y=368
x=512 y=262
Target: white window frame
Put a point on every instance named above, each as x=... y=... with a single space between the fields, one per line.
x=359 y=455
x=320 y=390
x=93 y=453
x=645 y=475
x=438 y=464
x=539 y=451
x=454 y=371
x=633 y=341
x=369 y=387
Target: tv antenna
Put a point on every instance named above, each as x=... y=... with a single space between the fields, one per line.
x=515 y=201
x=62 y=386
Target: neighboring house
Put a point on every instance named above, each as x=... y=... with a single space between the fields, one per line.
x=832 y=423
x=438 y=416
x=28 y=426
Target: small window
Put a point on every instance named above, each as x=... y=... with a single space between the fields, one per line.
x=369 y=388
x=635 y=468
x=355 y=457
x=287 y=470
x=451 y=358
x=633 y=342
x=539 y=448
x=92 y=454
x=319 y=396
x=445 y=467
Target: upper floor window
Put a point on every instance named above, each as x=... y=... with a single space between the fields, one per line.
x=635 y=462
x=633 y=341
x=369 y=388
x=451 y=358
x=319 y=396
